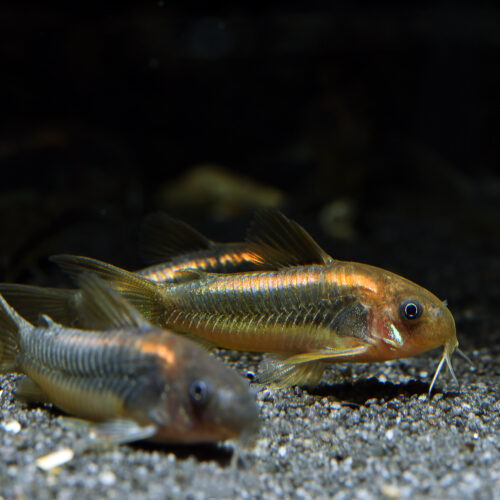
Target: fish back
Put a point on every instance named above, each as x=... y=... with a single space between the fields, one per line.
x=95 y=375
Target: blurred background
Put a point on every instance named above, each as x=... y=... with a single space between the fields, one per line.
x=375 y=126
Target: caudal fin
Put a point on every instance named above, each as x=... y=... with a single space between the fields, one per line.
x=30 y=301
x=11 y=325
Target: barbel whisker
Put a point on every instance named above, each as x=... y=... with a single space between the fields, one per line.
x=447 y=352
x=464 y=356
x=452 y=371
x=438 y=369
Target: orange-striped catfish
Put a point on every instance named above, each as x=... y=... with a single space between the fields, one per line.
x=324 y=310
x=137 y=380
x=174 y=247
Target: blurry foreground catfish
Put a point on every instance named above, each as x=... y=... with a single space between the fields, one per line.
x=311 y=309
x=139 y=381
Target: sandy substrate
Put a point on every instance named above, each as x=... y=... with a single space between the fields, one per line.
x=366 y=432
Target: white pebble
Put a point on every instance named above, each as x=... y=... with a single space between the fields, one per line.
x=107 y=478
x=12 y=426
x=56 y=459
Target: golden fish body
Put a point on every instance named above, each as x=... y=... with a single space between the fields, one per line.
x=334 y=312
x=312 y=308
x=139 y=374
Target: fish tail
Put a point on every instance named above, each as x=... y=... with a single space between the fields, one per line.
x=144 y=294
x=11 y=325
x=31 y=301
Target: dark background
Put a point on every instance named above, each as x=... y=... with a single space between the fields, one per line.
x=375 y=126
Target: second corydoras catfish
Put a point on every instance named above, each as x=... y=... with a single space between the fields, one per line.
x=310 y=309
x=172 y=245
x=137 y=380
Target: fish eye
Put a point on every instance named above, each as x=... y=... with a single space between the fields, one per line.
x=200 y=392
x=411 y=309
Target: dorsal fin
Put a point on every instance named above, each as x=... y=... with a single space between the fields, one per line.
x=284 y=242
x=163 y=237
x=104 y=308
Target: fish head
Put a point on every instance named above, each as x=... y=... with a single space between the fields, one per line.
x=205 y=400
x=412 y=320
x=408 y=320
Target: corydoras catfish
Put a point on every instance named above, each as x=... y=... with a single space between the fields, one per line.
x=137 y=380
x=175 y=247
x=309 y=310
x=171 y=244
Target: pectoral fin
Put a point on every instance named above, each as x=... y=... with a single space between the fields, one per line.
x=30 y=392
x=278 y=373
x=301 y=369
x=110 y=433
x=123 y=431
x=325 y=355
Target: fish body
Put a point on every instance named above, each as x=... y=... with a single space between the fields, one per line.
x=321 y=310
x=133 y=372
x=308 y=309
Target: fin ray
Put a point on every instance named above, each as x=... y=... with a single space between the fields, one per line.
x=106 y=434
x=102 y=307
x=324 y=355
x=30 y=300
x=279 y=374
x=29 y=392
x=141 y=292
x=163 y=237
x=283 y=242
x=11 y=325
